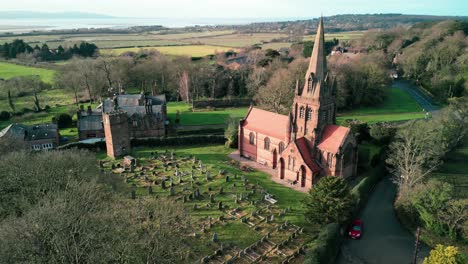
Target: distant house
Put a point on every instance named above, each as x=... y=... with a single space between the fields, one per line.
x=90 y=124
x=37 y=137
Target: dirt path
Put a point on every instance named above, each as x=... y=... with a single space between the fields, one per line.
x=384 y=240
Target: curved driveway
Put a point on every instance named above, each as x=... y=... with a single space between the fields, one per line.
x=384 y=240
x=423 y=100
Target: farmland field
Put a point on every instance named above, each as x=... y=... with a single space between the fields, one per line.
x=10 y=70
x=339 y=35
x=188 y=50
x=238 y=40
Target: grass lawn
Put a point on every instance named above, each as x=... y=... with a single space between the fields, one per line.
x=10 y=70
x=399 y=106
x=216 y=117
x=455 y=170
x=187 y=50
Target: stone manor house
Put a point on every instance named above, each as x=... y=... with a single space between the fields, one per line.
x=306 y=144
x=122 y=118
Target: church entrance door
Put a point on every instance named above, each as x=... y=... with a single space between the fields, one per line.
x=275 y=158
x=303 y=176
x=282 y=168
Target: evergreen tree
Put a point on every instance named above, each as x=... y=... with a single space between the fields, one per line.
x=330 y=201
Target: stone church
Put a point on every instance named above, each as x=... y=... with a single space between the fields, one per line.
x=306 y=144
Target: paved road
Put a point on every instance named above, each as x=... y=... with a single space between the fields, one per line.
x=423 y=100
x=384 y=240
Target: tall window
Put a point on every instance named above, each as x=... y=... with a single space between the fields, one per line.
x=309 y=114
x=294 y=163
x=329 y=162
x=289 y=162
x=310 y=83
x=267 y=144
x=281 y=147
x=302 y=112
x=252 y=138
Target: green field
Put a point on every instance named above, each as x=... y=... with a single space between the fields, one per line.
x=187 y=50
x=216 y=117
x=398 y=106
x=10 y=70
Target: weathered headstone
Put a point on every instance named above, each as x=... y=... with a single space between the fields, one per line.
x=215 y=237
x=208 y=176
x=212 y=198
x=227 y=178
x=133 y=194
x=220 y=206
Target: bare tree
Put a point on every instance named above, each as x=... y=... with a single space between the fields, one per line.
x=416 y=152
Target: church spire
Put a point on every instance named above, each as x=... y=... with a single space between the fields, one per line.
x=318 y=61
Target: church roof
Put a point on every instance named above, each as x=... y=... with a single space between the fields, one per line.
x=333 y=137
x=304 y=149
x=268 y=123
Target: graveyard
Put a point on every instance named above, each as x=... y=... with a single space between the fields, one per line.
x=239 y=215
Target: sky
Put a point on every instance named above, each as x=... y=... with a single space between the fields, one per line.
x=240 y=8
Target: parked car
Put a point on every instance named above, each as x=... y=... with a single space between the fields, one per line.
x=356 y=229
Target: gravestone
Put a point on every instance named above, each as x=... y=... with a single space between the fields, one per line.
x=227 y=178
x=212 y=198
x=220 y=206
x=133 y=194
x=172 y=191
x=208 y=176
x=215 y=237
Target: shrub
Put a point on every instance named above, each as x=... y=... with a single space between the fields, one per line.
x=441 y=255
x=64 y=120
x=325 y=248
x=4 y=116
x=382 y=133
x=363 y=189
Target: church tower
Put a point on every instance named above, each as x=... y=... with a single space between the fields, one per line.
x=314 y=107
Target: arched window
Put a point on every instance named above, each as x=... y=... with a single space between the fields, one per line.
x=309 y=114
x=252 y=138
x=267 y=144
x=281 y=147
x=302 y=112
x=310 y=83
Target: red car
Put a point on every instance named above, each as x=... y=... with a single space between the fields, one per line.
x=355 y=231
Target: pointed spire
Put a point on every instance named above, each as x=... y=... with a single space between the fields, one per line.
x=318 y=60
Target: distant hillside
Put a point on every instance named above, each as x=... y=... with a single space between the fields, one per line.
x=47 y=15
x=347 y=22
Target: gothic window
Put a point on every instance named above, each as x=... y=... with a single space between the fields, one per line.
x=294 y=163
x=289 y=162
x=309 y=114
x=348 y=155
x=135 y=123
x=320 y=157
x=281 y=147
x=329 y=162
x=267 y=144
x=310 y=83
x=252 y=138
x=302 y=112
